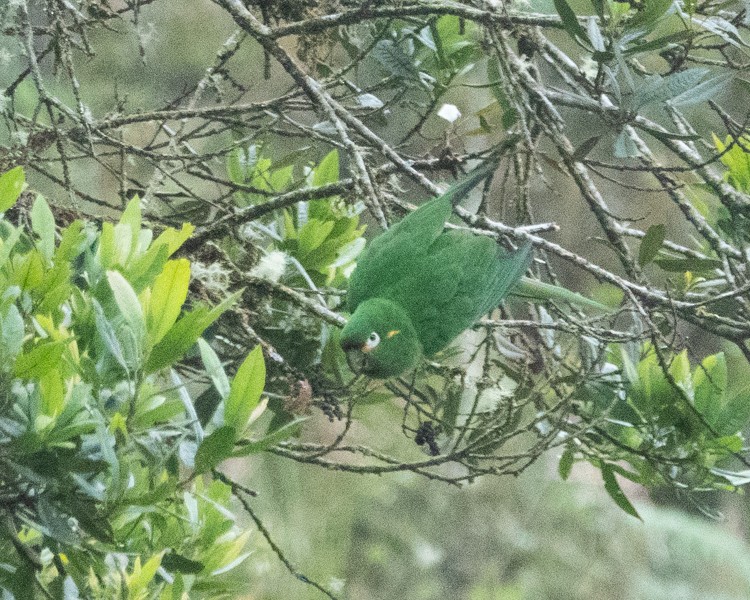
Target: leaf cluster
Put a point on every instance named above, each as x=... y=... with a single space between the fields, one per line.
x=99 y=440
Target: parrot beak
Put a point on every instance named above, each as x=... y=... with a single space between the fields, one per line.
x=356 y=354
x=348 y=345
x=356 y=359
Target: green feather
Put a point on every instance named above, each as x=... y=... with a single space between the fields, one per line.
x=418 y=286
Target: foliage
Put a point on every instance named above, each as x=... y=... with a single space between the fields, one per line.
x=98 y=433
x=672 y=425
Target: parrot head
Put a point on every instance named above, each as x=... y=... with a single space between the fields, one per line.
x=380 y=339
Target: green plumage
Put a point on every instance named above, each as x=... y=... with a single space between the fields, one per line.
x=432 y=283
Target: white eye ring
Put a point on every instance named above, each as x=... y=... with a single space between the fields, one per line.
x=371 y=342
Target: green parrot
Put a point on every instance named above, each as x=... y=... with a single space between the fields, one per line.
x=417 y=286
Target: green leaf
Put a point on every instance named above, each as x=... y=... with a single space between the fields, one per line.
x=173 y=238
x=127 y=301
x=570 y=22
x=734 y=415
x=106 y=247
x=312 y=235
x=8 y=245
x=615 y=492
x=683 y=265
x=11 y=186
x=141 y=577
x=245 y=391
x=721 y=28
x=214 y=449
x=131 y=219
x=143 y=271
x=710 y=383
x=71 y=243
x=28 y=270
x=11 y=334
x=394 y=60
x=565 y=466
x=43 y=224
x=585 y=147
x=181 y=564
x=510 y=115
x=35 y=363
x=660 y=43
x=214 y=369
x=703 y=91
x=168 y=294
x=185 y=332
x=657 y=89
x=595 y=35
x=52 y=389
x=107 y=335
x=653 y=11
x=736 y=478
x=625 y=146
x=241 y=163
x=246 y=447
x=651 y=243
x=328 y=170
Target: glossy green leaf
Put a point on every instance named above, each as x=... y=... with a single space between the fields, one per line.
x=142 y=576
x=52 y=390
x=131 y=220
x=11 y=186
x=328 y=170
x=28 y=272
x=178 y=563
x=71 y=243
x=722 y=28
x=736 y=478
x=168 y=294
x=185 y=332
x=35 y=363
x=43 y=224
x=313 y=234
x=595 y=35
x=734 y=415
x=660 y=43
x=241 y=163
x=106 y=247
x=710 y=382
x=245 y=390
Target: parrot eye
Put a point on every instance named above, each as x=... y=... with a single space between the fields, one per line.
x=372 y=342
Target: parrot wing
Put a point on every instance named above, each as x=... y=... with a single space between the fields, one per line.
x=381 y=265
x=463 y=277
